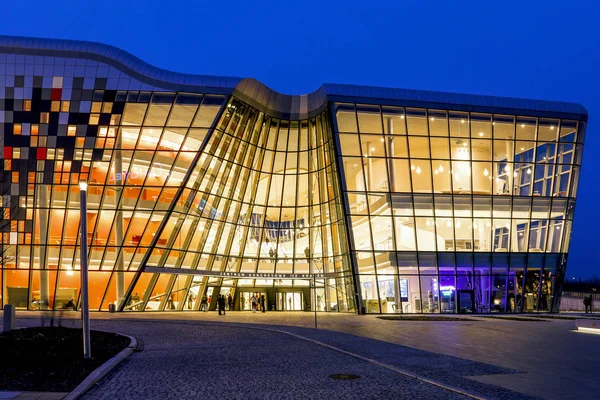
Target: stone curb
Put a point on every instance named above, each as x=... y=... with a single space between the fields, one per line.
x=102 y=370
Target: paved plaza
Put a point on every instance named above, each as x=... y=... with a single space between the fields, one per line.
x=190 y=355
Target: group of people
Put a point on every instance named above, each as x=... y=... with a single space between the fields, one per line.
x=222 y=301
x=257 y=301
x=587 y=302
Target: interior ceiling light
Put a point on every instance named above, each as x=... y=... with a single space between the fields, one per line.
x=486 y=172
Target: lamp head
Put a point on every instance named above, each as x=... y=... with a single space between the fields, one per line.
x=83 y=185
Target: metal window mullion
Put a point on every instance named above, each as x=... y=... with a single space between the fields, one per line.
x=169 y=211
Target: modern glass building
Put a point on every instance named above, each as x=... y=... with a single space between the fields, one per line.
x=348 y=199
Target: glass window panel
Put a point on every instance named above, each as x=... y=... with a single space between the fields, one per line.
x=481 y=149
x=445 y=234
x=346 y=118
x=396 y=146
x=399 y=175
x=372 y=145
x=184 y=109
x=440 y=148
x=504 y=127
x=419 y=147
x=438 y=123
x=157 y=114
x=568 y=130
x=393 y=121
x=416 y=121
x=421 y=175
x=426 y=237
x=526 y=128
x=481 y=125
x=443 y=205
x=503 y=150
x=402 y=204
x=548 y=130
x=442 y=177
x=369 y=119
x=482 y=206
x=205 y=117
x=350 y=145
x=459 y=124
x=405 y=233
x=482 y=177
x=133 y=113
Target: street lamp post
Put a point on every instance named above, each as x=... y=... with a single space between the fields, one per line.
x=85 y=310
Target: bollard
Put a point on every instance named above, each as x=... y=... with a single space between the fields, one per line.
x=112 y=308
x=9 y=317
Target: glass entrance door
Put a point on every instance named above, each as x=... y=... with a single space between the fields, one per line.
x=290 y=301
x=245 y=303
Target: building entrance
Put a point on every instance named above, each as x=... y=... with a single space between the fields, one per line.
x=290 y=301
x=245 y=303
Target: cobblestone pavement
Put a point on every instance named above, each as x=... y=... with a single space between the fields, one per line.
x=193 y=360
x=498 y=358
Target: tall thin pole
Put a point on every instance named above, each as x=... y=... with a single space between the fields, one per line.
x=85 y=310
x=315 y=298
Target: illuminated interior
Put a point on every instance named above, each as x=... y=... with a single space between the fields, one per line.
x=316 y=202
x=447 y=201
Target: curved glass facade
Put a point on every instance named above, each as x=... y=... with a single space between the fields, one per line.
x=448 y=206
x=349 y=199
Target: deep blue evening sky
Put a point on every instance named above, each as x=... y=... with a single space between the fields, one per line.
x=533 y=49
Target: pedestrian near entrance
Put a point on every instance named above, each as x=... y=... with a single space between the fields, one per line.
x=262 y=302
x=587 y=302
x=221 y=304
x=230 y=302
x=272 y=255
x=204 y=304
x=253 y=303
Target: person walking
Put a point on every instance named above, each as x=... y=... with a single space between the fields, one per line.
x=253 y=303
x=221 y=303
x=587 y=302
x=242 y=303
x=272 y=255
x=204 y=304
x=190 y=301
x=230 y=302
x=262 y=303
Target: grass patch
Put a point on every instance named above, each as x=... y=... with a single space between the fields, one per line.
x=50 y=359
x=423 y=318
x=538 y=319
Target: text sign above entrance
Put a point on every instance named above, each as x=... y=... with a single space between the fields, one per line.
x=242 y=275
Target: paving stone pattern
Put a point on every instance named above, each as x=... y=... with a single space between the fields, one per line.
x=191 y=361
